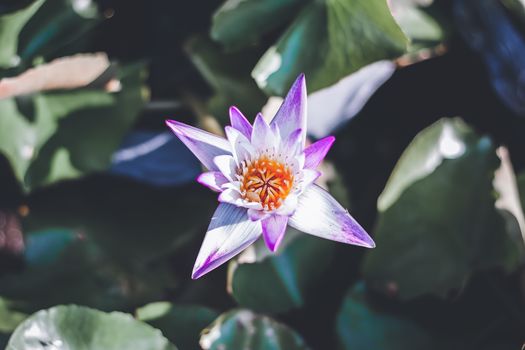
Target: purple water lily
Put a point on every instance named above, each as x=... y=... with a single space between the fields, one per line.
x=265 y=177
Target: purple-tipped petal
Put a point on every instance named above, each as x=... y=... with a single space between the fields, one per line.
x=213 y=180
x=273 y=228
x=239 y=122
x=292 y=113
x=204 y=145
x=319 y=214
x=315 y=153
x=229 y=233
x=262 y=135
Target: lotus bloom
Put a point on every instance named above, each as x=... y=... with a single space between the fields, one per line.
x=265 y=177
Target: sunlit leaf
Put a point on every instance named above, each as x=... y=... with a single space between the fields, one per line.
x=63 y=135
x=417 y=20
x=242 y=329
x=437 y=223
x=327 y=41
x=75 y=327
x=10 y=26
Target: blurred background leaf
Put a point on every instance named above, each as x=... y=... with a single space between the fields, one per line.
x=181 y=324
x=275 y=283
x=245 y=329
x=327 y=41
x=446 y=172
x=75 y=327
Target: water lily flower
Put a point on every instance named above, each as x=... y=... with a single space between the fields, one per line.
x=265 y=177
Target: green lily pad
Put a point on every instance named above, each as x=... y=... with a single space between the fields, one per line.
x=437 y=222
x=57 y=25
x=240 y=23
x=67 y=134
x=268 y=282
x=10 y=26
x=243 y=329
x=327 y=41
x=9 y=317
x=181 y=324
x=420 y=21
x=361 y=326
x=76 y=327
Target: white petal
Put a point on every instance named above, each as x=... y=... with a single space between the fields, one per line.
x=231 y=196
x=230 y=232
x=213 y=180
x=319 y=214
x=262 y=135
x=226 y=165
x=202 y=144
x=309 y=177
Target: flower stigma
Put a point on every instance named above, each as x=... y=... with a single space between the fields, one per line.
x=266 y=181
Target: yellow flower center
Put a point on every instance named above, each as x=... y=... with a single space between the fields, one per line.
x=266 y=181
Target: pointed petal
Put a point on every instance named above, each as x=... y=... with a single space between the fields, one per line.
x=262 y=135
x=316 y=152
x=273 y=229
x=204 y=145
x=226 y=165
x=239 y=122
x=230 y=232
x=292 y=114
x=242 y=149
x=213 y=180
x=319 y=214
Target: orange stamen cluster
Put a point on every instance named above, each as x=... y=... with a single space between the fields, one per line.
x=266 y=181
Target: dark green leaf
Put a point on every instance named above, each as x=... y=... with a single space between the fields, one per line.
x=266 y=282
x=240 y=23
x=75 y=327
x=58 y=23
x=10 y=26
x=67 y=134
x=327 y=41
x=242 y=329
x=9 y=318
x=437 y=223
x=181 y=324
x=360 y=326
